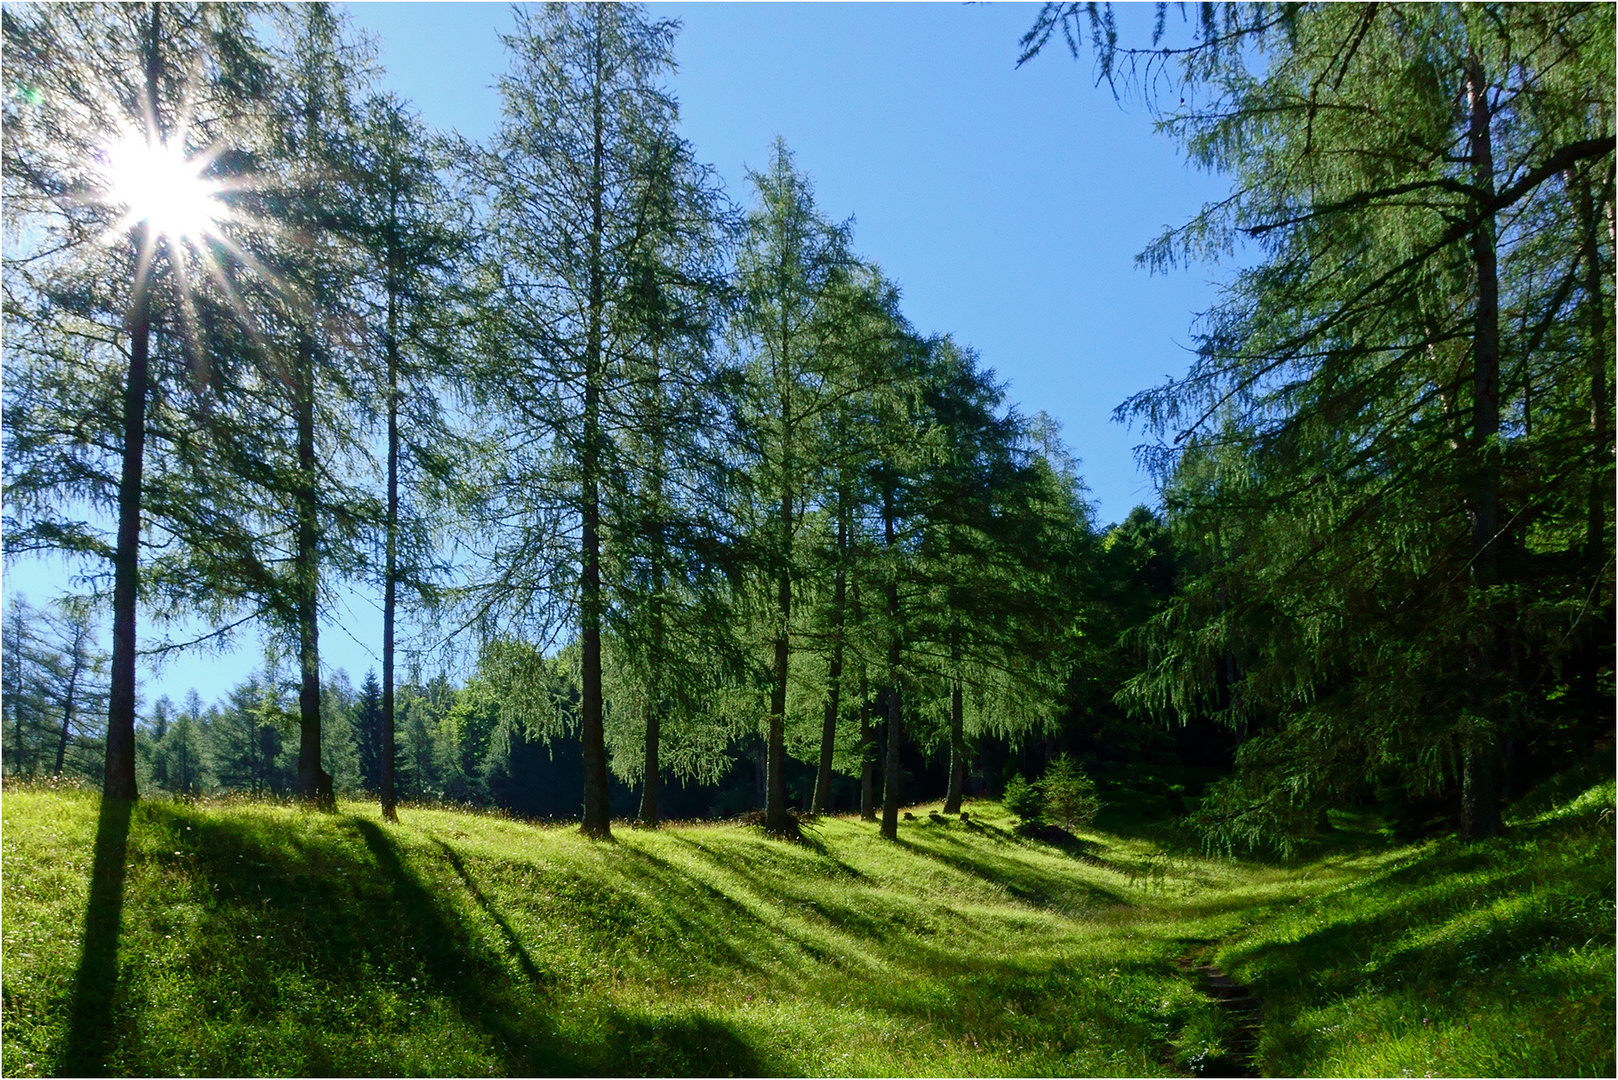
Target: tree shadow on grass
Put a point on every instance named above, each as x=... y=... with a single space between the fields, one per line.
x=692 y=1045
x=1460 y=931
x=1018 y=878
x=92 y=1029
x=529 y=1045
x=525 y=1040
x=513 y=942
x=319 y=949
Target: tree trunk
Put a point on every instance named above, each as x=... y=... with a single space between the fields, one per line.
x=314 y=782
x=834 y=674
x=761 y=784
x=597 y=810
x=775 y=799
x=68 y=705
x=118 y=779
x=390 y=572
x=80 y=631
x=890 y=770
x=775 y=802
x=649 y=812
x=1595 y=308
x=867 y=757
x=828 y=730
x=649 y=788
x=1480 y=782
x=957 y=750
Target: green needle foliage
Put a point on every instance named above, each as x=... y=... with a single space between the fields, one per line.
x=811 y=339
x=1070 y=796
x=107 y=357
x=1388 y=468
x=419 y=240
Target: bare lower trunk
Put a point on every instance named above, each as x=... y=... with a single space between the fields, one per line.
x=70 y=704
x=649 y=790
x=118 y=780
x=890 y=769
x=650 y=814
x=390 y=811
x=828 y=730
x=775 y=802
x=834 y=674
x=775 y=796
x=867 y=764
x=1480 y=786
x=597 y=809
x=314 y=783
x=957 y=751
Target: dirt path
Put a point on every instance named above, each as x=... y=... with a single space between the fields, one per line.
x=1243 y=1020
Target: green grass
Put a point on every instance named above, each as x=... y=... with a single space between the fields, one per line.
x=1490 y=959
x=231 y=938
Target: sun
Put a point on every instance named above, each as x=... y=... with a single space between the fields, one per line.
x=156 y=183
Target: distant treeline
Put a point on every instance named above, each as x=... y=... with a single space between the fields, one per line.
x=457 y=744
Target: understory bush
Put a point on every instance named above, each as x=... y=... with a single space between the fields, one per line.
x=1025 y=802
x=1064 y=796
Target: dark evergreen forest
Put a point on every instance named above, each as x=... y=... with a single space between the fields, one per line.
x=674 y=514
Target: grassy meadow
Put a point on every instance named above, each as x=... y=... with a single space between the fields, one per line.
x=233 y=937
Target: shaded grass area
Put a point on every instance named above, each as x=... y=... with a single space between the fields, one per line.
x=234 y=938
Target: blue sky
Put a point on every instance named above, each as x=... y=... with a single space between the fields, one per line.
x=1007 y=203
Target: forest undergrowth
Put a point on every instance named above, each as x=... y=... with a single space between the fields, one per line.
x=237 y=938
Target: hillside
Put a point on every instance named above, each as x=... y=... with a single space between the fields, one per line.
x=262 y=939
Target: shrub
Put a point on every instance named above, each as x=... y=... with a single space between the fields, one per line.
x=1069 y=796
x=1025 y=801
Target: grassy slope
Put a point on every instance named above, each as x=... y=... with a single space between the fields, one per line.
x=1491 y=959
x=256 y=939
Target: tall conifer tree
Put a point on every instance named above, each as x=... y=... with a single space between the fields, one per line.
x=585 y=142
x=1371 y=455
x=116 y=126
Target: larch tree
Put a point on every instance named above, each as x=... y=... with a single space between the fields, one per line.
x=997 y=597
x=1370 y=456
x=75 y=681
x=313 y=359
x=118 y=123
x=588 y=123
x=410 y=225
x=870 y=345
x=22 y=692
x=793 y=274
x=667 y=644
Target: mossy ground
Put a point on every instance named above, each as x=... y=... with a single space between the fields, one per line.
x=231 y=938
